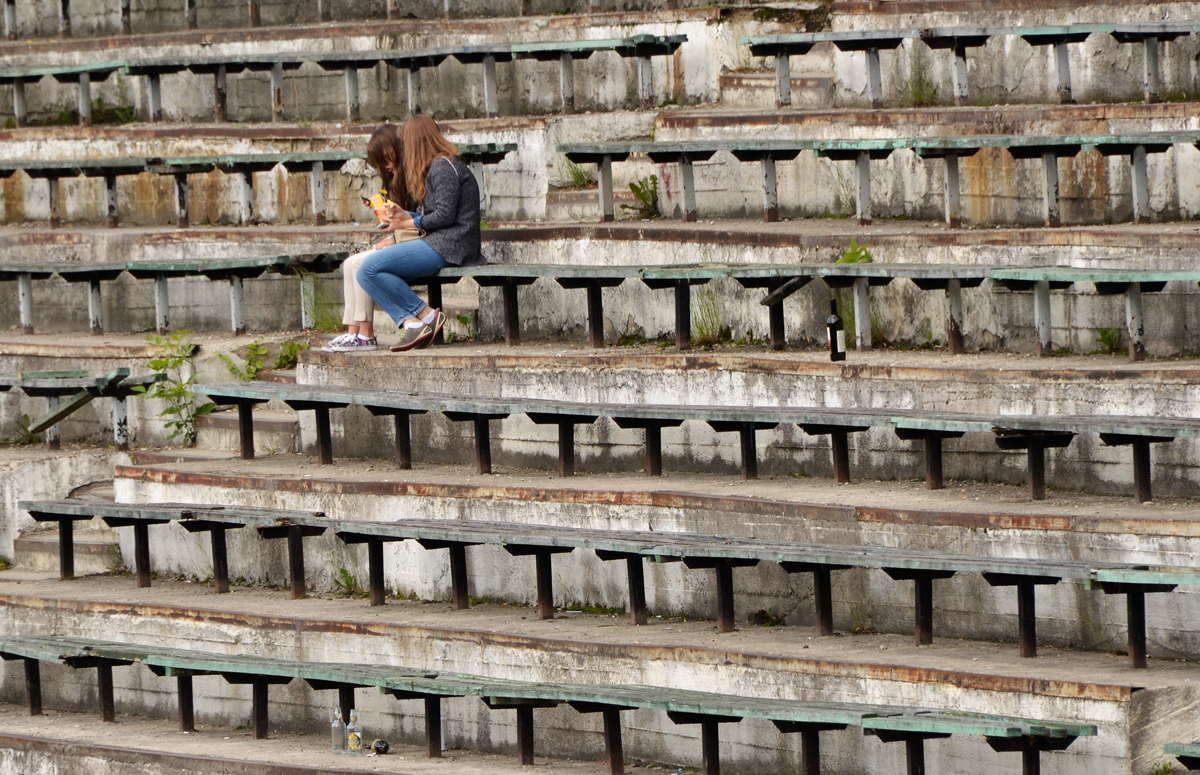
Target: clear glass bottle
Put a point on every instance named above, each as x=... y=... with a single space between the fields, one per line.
x=337 y=733
x=354 y=736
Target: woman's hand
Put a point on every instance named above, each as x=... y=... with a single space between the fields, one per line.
x=400 y=219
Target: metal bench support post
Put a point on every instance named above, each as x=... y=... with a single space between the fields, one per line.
x=1135 y=323
x=104 y=686
x=95 y=309
x=1036 y=455
x=458 y=577
x=54 y=432
x=653 y=450
x=783 y=79
x=1142 y=491
x=220 y=95
x=958 y=75
x=953 y=191
x=1135 y=612
x=352 y=108
x=110 y=201
x=154 y=93
x=490 y=106
x=237 y=306
x=954 y=317
x=687 y=177
x=770 y=191
x=566 y=81
x=64 y=18
x=823 y=599
x=141 y=553
x=862 y=314
x=1062 y=65
x=189 y=14
x=1027 y=618
x=1031 y=762
x=316 y=188
x=725 y=617
x=181 y=200
x=605 y=189
x=187 y=713
x=66 y=549
x=749 y=444
x=483 y=445
x=20 y=111
x=414 y=90
x=10 y=19
x=933 y=462
x=375 y=570
x=1150 y=70
x=220 y=558
x=56 y=207
x=246 y=429
x=512 y=319
x=295 y=543
x=162 y=305
x=345 y=701
x=525 y=734
x=1140 y=177
x=1041 y=317
x=545 y=584
x=25 y=301
x=923 y=608
x=645 y=78
x=120 y=421
x=33 y=683
x=614 y=754
x=862 y=187
x=324 y=436
x=839 y=443
x=85 y=99
x=683 y=315
x=258 y=709
x=637 y=589
x=710 y=747
x=566 y=449
x=323 y=10
x=914 y=755
x=874 y=79
x=595 y=306
x=403 y=433
x=255 y=15
x=277 y=92
x=433 y=727
x=308 y=301
x=1050 y=204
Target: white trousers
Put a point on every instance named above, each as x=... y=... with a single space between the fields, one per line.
x=360 y=306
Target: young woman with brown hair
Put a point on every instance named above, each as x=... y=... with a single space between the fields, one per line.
x=385 y=155
x=446 y=197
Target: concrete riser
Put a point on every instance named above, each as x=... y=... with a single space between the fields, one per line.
x=965 y=606
x=874 y=454
x=95 y=551
x=34 y=475
x=1122 y=746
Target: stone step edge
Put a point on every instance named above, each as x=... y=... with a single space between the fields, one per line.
x=714 y=656
x=670 y=499
x=159 y=761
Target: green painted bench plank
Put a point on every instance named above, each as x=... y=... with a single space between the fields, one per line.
x=1073 y=275
x=207 y=265
x=38 y=71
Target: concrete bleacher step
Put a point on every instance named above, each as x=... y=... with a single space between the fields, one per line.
x=275 y=432
x=96 y=551
x=494 y=640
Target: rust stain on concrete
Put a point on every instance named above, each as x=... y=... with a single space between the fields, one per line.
x=965 y=519
x=638 y=652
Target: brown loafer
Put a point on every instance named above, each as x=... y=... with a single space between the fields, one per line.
x=412 y=337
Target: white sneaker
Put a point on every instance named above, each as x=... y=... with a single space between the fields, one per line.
x=339 y=341
x=356 y=344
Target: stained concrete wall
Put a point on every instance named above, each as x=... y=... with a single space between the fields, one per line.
x=34 y=473
x=874 y=454
x=746 y=747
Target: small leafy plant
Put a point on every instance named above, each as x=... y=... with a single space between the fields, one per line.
x=574 y=176
x=290 y=354
x=855 y=254
x=176 y=390
x=4 y=563
x=645 y=191
x=1109 y=339
x=348 y=585
x=255 y=352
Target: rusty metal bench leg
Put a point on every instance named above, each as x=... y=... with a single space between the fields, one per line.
x=375 y=566
x=637 y=590
x=403 y=441
x=1135 y=613
x=345 y=702
x=295 y=543
x=483 y=445
x=566 y=449
x=1027 y=618
x=683 y=315
x=258 y=709
x=749 y=443
x=525 y=734
x=614 y=754
x=923 y=609
x=653 y=450
x=66 y=549
x=33 y=686
x=433 y=727
x=512 y=320
x=545 y=585
x=141 y=553
x=933 y=462
x=725 y=618
x=595 y=306
x=324 y=436
x=823 y=598
x=1036 y=454
x=104 y=683
x=220 y=561
x=187 y=713
x=246 y=429
x=710 y=747
x=840 y=448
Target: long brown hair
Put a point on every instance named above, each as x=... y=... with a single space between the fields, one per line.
x=384 y=147
x=423 y=144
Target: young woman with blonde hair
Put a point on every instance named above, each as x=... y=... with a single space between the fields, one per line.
x=446 y=198
x=385 y=155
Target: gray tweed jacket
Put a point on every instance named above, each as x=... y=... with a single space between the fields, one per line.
x=450 y=216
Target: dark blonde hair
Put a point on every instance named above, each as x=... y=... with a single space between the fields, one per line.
x=383 y=147
x=423 y=144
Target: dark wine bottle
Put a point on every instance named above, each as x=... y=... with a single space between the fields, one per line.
x=837 y=334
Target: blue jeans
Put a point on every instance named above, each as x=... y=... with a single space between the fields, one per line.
x=385 y=275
